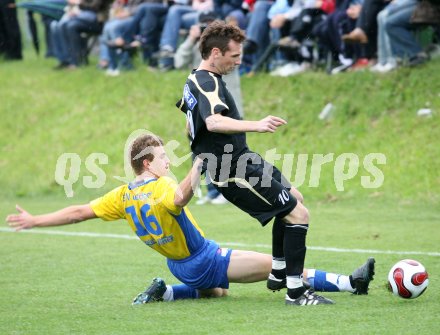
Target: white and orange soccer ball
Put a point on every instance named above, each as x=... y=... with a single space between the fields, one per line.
x=408 y=279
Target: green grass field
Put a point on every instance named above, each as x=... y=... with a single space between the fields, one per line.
x=58 y=284
x=83 y=284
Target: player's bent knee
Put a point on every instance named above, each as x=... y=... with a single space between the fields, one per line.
x=300 y=215
x=297 y=194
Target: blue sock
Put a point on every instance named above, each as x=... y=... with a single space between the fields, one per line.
x=182 y=291
x=319 y=281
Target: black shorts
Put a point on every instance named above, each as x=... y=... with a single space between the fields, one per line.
x=259 y=189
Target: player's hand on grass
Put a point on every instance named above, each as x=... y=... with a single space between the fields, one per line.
x=270 y=124
x=20 y=221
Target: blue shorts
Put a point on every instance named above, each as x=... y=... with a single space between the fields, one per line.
x=206 y=269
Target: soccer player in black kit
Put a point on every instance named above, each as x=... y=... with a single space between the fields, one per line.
x=218 y=135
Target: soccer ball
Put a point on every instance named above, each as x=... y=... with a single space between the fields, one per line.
x=408 y=279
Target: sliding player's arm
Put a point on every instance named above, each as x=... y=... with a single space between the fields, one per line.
x=186 y=188
x=67 y=215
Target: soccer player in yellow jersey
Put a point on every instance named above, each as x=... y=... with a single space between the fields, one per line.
x=154 y=205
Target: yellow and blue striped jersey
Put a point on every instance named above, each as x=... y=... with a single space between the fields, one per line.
x=149 y=208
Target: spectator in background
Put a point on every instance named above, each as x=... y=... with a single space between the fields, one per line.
x=178 y=17
x=385 y=58
x=365 y=32
x=401 y=32
x=395 y=19
x=50 y=10
x=257 y=33
x=231 y=10
x=366 y=24
x=82 y=16
x=146 y=27
x=47 y=21
x=280 y=14
x=121 y=17
x=329 y=32
x=120 y=14
x=10 y=36
x=296 y=25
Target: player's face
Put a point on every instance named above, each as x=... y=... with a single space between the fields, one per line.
x=161 y=163
x=226 y=63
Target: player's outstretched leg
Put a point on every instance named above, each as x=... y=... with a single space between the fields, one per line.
x=159 y=291
x=362 y=276
x=309 y=297
x=153 y=293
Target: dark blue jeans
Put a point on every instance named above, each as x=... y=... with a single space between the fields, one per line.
x=258 y=27
x=67 y=40
x=330 y=33
x=403 y=41
x=147 y=22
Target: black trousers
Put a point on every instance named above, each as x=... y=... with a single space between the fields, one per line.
x=367 y=21
x=10 y=37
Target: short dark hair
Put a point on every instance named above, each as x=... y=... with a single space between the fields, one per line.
x=141 y=149
x=218 y=34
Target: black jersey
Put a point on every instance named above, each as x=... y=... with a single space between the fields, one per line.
x=241 y=175
x=204 y=94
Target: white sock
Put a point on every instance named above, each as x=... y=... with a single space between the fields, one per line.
x=294 y=281
x=341 y=281
x=169 y=294
x=329 y=282
x=278 y=264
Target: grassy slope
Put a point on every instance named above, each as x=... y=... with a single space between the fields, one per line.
x=46 y=113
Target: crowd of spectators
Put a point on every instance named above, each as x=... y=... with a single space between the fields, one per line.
x=285 y=37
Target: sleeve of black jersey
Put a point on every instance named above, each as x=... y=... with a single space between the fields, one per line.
x=211 y=98
x=182 y=105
